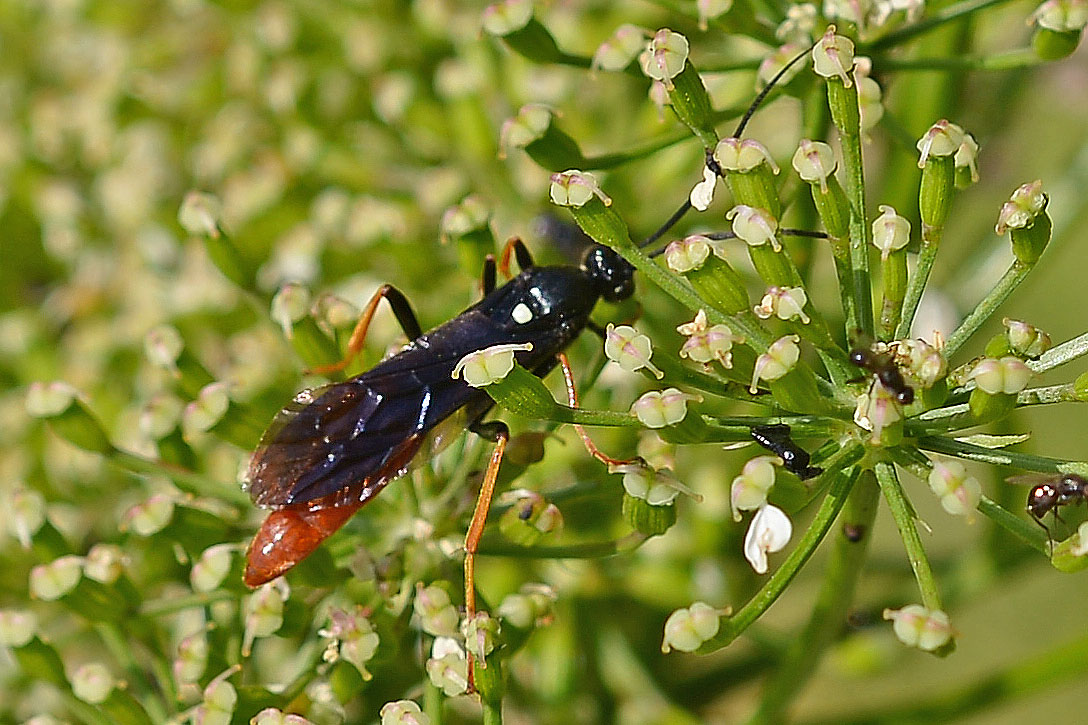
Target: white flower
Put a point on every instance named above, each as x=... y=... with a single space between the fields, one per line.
x=703 y=192
x=657 y=409
x=630 y=350
x=786 y=303
x=834 y=56
x=749 y=490
x=814 y=161
x=687 y=254
x=706 y=343
x=687 y=628
x=943 y=138
x=769 y=532
x=890 y=231
x=665 y=57
x=754 y=225
x=575 y=188
x=779 y=359
x=916 y=626
x=489 y=365
x=958 y=492
x=1008 y=375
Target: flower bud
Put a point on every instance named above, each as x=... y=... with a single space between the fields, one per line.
x=814 y=162
x=706 y=344
x=447 y=667
x=26 y=509
x=17 y=627
x=437 y=616
x=104 y=563
x=876 y=411
x=160 y=416
x=52 y=581
x=1009 y=375
x=1059 y=26
x=749 y=490
x=870 y=96
x=199 y=214
x=275 y=716
x=575 y=188
x=473 y=213
x=149 y=517
x=732 y=154
x=779 y=359
x=92 y=683
x=755 y=226
x=58 y=403
x=966 y=160
x=351 y=637
x=264 y=614
x=688 y=628
x=711 y=10
x=916 y=626
x=529 y=125
x=890 y=231
x=655 y=487
x=773 y=63
x=958 y=492
x=921 y=363
x=481 y=634
x=786 y=303
x=220 y=699
x=657 y=409
x=487 y=366
x=211 y=568
x=943 y=138
x=665 y=57
x=687 y=254
x=192 y=658
x=769 y=532
x=629 y=349
x=403 y=712
x=1025 y=215
x=207 y=411
x=506 y=17
x=621 y=49
x=1026 y=340
x=799 y=24
x=833 y=57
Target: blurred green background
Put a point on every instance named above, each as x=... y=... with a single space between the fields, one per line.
x=336 y=135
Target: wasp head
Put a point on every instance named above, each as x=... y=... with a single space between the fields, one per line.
x=612 y=275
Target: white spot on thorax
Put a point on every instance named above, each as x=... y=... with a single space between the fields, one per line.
x=522 y=313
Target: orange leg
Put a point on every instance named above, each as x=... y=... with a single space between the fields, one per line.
x=401 y=309
x=572 y=399
x=501 y=435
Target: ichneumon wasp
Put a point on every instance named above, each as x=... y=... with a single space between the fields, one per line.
x=334 y=448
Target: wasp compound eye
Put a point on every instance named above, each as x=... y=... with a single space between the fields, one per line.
x=612 y=274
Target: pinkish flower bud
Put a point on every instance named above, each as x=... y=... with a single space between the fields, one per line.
x=629 y=349
x=657 y=409
x=688 y=628
x=916 y=626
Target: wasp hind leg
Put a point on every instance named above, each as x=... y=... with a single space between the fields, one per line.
x=500 y=434
x=402 y=310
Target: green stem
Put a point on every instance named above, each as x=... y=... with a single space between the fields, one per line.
x=917 y=463
x=931 y=240
x=1051 y=394
x=1008 y=60
x=842 y=483
x=1061 y=354
x=904 y=516
x=829 y=612
x=172 y=605
x=946 y=15
x=492 y=714
x=861 y=285
x=1012 y=278
x=1003 y=457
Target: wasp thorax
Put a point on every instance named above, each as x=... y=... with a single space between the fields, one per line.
x=612 y=275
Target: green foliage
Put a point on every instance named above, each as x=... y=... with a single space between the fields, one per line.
x=198 y=198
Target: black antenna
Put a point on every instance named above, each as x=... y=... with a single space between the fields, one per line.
x=713 y=165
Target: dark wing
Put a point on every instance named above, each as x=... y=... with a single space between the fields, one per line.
x=344 y=442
